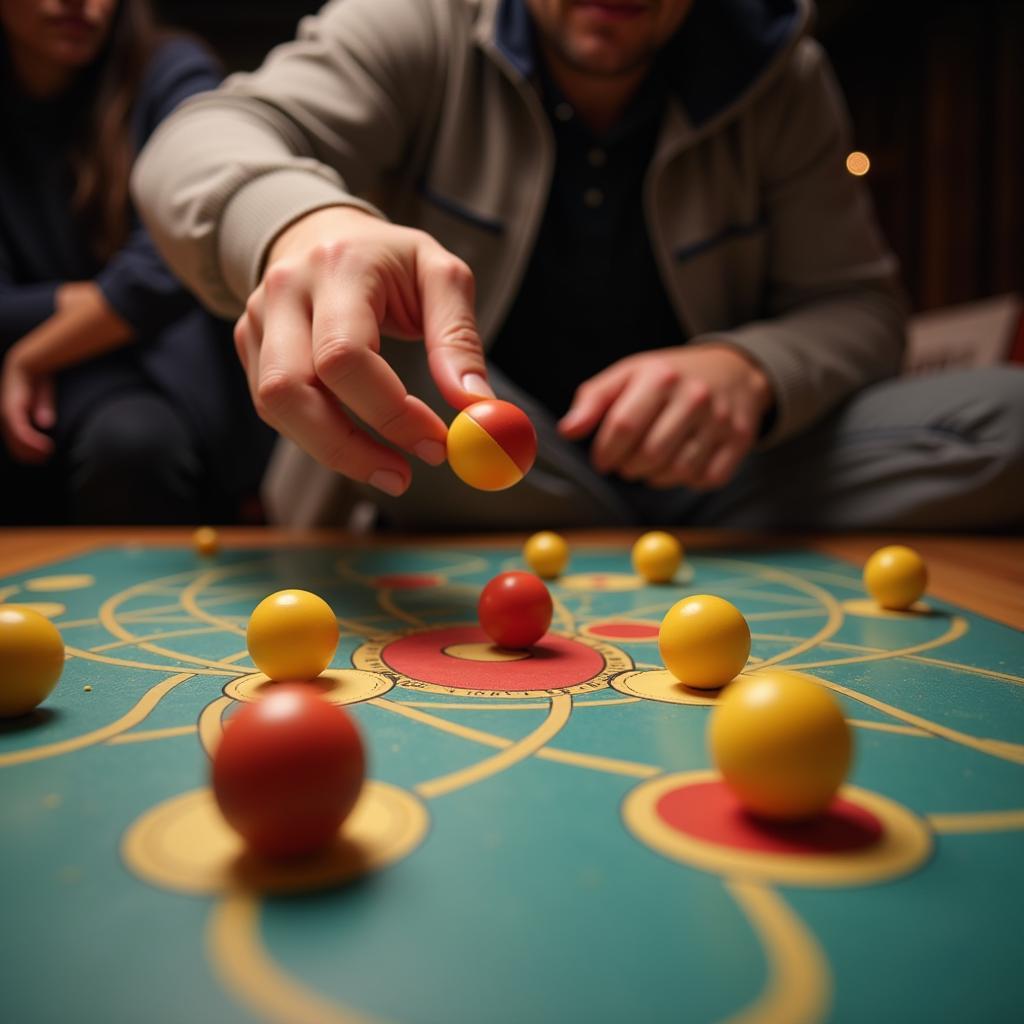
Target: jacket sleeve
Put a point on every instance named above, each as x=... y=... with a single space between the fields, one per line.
x=135 y=280
x=22 y=306
x=317 y=125
x=836 y=314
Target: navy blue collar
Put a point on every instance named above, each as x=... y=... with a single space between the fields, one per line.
x=721 y=49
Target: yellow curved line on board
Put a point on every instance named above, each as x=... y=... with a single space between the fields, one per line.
x=211 y=728
x=247 y=971
x=558 y=715
x=959 y=666
x=905 y=730
x=387 y=602
x=136 y=714
x=108 y=617
x=6 y=592
x=78 y=652
x=515 y=705
x=1002 y=749
x=977 y=821
x=152 y=734
x=565 y=617
x=595 y=762
x=799 y=986
x=190 y=602
x=957 y=628
x=194 y=631
x=833 y=608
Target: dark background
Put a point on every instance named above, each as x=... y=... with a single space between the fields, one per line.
x=936 y=91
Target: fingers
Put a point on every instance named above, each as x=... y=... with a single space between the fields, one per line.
x=627 y=422
x=44 y=409
x=24 y=441
x=454 y=351
x=345 y=357
x=682 y=418
x=711 y=456
x=592 y=400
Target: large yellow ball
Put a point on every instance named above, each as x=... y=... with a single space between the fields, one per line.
x=547 y=554
x=657 y=556
x=704 y=641
x=31 y=659
x=895 y=576
x=292 y=635
x=781 y=743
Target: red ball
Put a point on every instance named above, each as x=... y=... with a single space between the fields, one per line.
x=288 y=770
x=515 y=609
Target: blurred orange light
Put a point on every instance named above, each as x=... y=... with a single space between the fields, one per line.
x=858 y=163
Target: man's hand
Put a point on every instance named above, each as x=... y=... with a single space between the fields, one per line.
x=26 y=409
x=310 y=341
x=672 y=417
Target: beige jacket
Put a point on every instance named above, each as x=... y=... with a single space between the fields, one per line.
x=424 y=111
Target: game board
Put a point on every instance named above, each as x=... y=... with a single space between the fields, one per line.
x=541 y=838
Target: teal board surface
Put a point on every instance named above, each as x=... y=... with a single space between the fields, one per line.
x=526 y=868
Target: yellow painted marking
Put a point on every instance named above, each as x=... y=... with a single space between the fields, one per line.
x=823 y=597
x=514 y=706
x=387 y=602
x=562 y=614
x=78 y=652
x=190 y=602
x=47 y=584
x=978 y=821
x=905 y=730
x=247 y=971
x=604 y=764
x=152 y=734
x=149 y=700
x=165 y=635
x=795 y=613
x=558 y=715
x=483 y=651
x=211 y=728
x=799 y=988
x=957 y=628
x=6 y=592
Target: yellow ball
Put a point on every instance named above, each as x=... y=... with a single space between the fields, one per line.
x=292 y=635
x=704 y=641
x=206 y=541
x=31 y=659
x=895 y=576
x=657 y=556
x=547 y=554
x=781 y=743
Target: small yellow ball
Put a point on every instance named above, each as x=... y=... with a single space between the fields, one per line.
x=292 y=635
x=704 y=641
x=895 y=576
x=547 y=554
x=31 y=659
x=206 y=541
x=657 y=556
x=781 y=743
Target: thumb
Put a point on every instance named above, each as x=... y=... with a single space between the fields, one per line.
x=454 y=351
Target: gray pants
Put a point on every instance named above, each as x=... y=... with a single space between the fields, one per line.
x=943 y=451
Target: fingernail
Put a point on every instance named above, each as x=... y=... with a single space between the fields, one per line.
x=431 y=452
x=476 y=385
x=388 y=481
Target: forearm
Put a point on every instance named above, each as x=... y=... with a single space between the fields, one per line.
x=819 y=354
x=78 y=331
x=23 y=307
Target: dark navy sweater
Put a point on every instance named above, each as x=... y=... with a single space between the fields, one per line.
x=41 y=245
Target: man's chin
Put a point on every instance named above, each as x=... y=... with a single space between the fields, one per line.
x=603 y=60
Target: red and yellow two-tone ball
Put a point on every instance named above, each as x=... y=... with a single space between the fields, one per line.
x=491 y=445
x=288 y=771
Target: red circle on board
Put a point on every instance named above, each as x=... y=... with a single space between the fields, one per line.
x=406 y=581
x=553 y=663
x=710 y=812
x=623 y=630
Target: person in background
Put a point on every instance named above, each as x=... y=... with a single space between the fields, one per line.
x=638 y=209
x=120 y=398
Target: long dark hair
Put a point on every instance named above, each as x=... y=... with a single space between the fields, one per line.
x=103 y=153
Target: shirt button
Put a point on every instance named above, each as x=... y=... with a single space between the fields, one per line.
x=563 y=112
x=593 y=197
x=597 y=157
